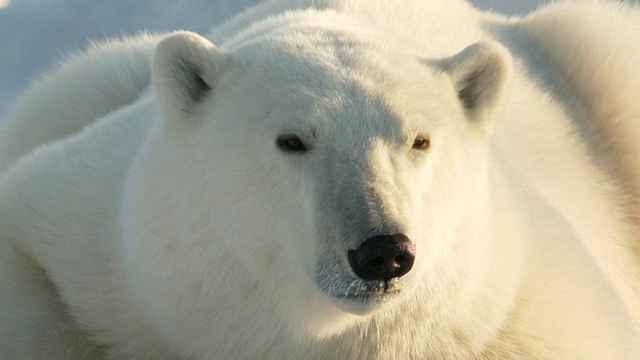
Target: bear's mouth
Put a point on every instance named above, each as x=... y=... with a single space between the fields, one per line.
x=361 y=297
x=370 y=290
x=356 y=295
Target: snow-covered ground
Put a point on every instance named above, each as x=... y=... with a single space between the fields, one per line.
x=34 y=34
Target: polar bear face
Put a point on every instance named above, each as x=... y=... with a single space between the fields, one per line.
x=340 y=168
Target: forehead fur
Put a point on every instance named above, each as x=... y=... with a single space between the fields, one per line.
x=327 y=72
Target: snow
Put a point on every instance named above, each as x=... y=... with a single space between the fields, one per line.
x=35 y=34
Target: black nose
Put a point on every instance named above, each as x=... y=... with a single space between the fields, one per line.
x=383 y=257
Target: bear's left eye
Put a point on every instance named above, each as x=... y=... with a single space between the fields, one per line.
x=421 y=142
x=291 y=143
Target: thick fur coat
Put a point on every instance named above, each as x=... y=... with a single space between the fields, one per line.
x=185 y=197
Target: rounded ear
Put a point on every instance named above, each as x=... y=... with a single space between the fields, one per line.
x=185 y=69
x=479 y=74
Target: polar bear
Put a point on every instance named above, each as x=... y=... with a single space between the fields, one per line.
x=330 y=180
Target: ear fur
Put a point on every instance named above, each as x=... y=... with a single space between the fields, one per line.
x=479 y=74
x=185 y=70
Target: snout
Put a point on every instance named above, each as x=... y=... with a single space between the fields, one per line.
x=383 y=257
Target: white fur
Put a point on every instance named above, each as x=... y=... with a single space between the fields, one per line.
x=124 y=65
x=163 y=222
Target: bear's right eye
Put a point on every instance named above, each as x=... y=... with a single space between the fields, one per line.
x=291 y=143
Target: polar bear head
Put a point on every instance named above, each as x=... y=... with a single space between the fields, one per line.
x=309 y=176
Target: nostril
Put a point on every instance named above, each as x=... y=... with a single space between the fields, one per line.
x=377 y=261
x=403 y=260
x=383 y=257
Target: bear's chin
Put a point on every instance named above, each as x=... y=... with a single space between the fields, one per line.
x=364 y=305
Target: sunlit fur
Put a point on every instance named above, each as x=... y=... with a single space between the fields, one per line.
x=146 y=211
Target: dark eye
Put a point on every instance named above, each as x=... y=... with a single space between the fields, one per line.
x=421 y=142
x=291 y=143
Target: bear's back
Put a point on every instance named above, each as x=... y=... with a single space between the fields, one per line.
x=80 y=91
